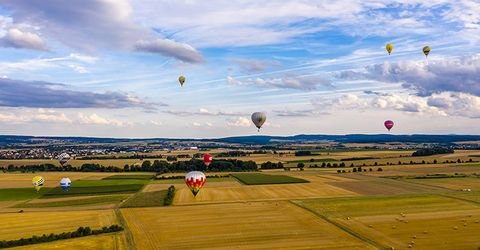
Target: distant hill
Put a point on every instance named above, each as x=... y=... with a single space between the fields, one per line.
x=353 y=138
x=255 y=139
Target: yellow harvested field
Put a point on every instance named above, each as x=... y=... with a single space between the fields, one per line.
x=234 y=192
x=451 y=183
x=255 y=225
x=17 y=225
x=115 y=241
x=4 y=204
x=432 y=230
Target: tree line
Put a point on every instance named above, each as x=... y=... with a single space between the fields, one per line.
x=432 y=151
x=80 y=232
x=159 y=166
x=170 y=194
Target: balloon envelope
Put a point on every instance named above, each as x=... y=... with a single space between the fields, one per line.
x=388 y=124
x=63 y=158
x=389 y=48
x=207 y=159
x=65 y=183
x=195 y=181
x=181 y=80
x=38 y=182
x=259 y=118
x=426 y=50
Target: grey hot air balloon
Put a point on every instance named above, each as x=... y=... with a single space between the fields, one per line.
x=63 y=158
x=259 y=118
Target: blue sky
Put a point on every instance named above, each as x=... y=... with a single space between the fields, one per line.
x=109 y=68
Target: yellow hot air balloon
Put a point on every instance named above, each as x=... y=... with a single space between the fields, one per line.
x=426 y=50
x=38 y=182
x=389 y=48
x=181 y=80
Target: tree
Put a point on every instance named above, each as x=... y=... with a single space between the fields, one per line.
x=353 y=170
x=375 y=164
x=324 y=164
x=300 y=165
x=171 y=158
x=146 y=165
x=379 y=169
x=435 y=161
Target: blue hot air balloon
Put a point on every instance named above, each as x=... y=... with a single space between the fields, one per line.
x=65 y=184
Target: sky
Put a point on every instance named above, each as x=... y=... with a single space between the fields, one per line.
x=110 y=68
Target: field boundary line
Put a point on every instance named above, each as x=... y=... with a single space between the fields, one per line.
x=128 y=233
x=342 y=227
x=461 y=199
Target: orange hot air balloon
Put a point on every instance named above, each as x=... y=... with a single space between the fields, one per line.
x=195 y=181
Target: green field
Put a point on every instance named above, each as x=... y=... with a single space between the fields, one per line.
x=18 y=194
x=129 y=177
x=90 y=183
x=263 y=179
x=146 y=199
x=77 y=202
x=380 y=205
x=93 y=190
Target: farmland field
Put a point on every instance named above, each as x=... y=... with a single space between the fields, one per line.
x=18 y=225
x=114 y=241
x=73 y=201
x=262 y=179
x=423 y=221
x=254 y=225
x=146 y=199
x=280 y=209
x=93 y=190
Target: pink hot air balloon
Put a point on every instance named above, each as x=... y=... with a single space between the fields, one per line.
x=388 y=124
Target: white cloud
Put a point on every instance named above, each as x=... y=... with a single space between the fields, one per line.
x=203 y=112
x=169 y=48
x=94 y=119
x=19 y=39
x=76 y=62
x=307 y=83
x=91 y=25
x=25 y=116
x=156 y=123
x=239 y=122
x=438 y=75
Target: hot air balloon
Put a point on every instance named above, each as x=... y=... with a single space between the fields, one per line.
x=426 y=50
x=207 y=159
x=195 y=181
x=388 y=124
x=259 y=118
x=389 y=48
x=181 y=80
x=65 y=183
x=63 y=158
x=38 y=182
